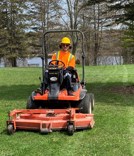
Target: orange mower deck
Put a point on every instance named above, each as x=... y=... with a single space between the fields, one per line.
x=46 y=120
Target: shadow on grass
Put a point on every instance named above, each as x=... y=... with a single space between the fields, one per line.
x=16 y=92
x=112 y=93
x=4 y=132
x=103 y=92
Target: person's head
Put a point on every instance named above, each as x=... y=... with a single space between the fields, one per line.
x=65 y=44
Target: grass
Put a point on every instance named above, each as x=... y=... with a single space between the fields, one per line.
x=112 y=135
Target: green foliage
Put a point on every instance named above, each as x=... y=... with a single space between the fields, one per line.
x=125 y=16
x=112 y=135
x=129 y=37
x=12 y=30
x=22 y=24
x=123 y=9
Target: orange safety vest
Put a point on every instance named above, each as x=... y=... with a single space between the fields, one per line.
x=66 y=57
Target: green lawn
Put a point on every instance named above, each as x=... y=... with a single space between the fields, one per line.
x=112 y=135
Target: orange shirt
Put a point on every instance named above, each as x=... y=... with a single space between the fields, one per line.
x=66 y=57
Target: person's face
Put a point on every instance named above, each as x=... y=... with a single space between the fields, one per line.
x=65 y=47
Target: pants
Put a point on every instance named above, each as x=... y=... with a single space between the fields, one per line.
x=67 y=79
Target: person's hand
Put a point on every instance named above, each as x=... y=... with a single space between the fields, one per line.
x=69 y=68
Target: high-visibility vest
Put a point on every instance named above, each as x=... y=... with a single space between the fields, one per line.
x=69 y=58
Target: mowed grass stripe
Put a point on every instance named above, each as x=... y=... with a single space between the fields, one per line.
x=130 y=112
x=125 y=75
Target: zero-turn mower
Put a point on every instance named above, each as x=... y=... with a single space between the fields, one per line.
x=50 y=108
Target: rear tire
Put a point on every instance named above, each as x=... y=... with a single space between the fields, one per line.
x=31 y=103
x=85 y=105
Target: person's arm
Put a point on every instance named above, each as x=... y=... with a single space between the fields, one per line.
x=54 y=56
x=72 y=62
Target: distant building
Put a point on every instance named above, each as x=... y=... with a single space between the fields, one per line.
x=27 y=62
x=34 y=62
x=1 y=62
x=109 y=60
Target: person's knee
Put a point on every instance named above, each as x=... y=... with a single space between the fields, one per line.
x=67 y=75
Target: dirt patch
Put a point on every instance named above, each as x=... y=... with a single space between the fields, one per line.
x=123 y=89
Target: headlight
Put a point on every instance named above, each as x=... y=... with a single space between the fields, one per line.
x=53 y=78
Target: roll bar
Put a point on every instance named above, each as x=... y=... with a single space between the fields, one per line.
x=44 y=49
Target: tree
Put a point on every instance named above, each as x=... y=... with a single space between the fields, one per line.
x=12 y=30
x=93 y=23
x=44 y=15
x=125 y=16
x=3 y=31
x=71 y=11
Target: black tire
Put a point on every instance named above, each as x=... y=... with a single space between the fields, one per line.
x=92 y=100
x=85 y=105
x=31 y=104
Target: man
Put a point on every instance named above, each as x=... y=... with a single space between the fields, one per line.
x=68 y=59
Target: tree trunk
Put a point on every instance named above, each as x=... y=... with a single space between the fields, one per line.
x=14 y=62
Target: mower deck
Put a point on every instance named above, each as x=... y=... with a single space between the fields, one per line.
x=46 y=120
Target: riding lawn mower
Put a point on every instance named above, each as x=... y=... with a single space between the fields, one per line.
x=50 y=108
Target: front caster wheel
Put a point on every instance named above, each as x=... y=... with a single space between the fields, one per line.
x=10 y=129
x=70 y=129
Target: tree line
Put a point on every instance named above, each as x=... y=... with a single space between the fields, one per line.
x=108 y=26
